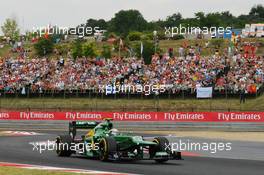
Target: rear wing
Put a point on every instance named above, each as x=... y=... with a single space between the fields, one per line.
x=74 y=125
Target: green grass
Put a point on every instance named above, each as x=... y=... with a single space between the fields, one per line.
x=175 y=44
x=86 y=104
x=163 y=44
x=20 y=171
x=5 y=50
x=261 y=49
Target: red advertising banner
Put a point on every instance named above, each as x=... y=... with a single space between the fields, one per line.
x=139 y=116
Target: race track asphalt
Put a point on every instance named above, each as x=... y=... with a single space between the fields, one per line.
x=18 y=150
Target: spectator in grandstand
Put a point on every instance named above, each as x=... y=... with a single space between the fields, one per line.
x=181 y=51
x=242 y=95
x=186 y=72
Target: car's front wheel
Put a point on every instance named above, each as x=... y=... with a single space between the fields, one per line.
x=162 y=146
x=107 y=146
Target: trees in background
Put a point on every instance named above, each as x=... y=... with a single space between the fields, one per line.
x=148 y=50
x=106 y=53
x=89 y=50
x=134 y=36
x=10 y=29
x=126 y=21
x=131 y=26
x=257 y=11
x=80 y=48
x=101 y=23
x=173 y=20
x=44 y=46
x=76 y=48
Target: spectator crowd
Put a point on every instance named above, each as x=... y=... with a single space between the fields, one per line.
x=182 y=72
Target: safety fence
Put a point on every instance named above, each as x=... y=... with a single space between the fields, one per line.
x=95 y=93
x=138 y=116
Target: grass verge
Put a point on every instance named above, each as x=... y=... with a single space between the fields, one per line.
x=21 y=171
x=132 y=104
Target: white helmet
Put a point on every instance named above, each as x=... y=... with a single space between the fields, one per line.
x=114 y=131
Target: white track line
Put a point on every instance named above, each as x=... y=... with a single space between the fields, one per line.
x=20 y=133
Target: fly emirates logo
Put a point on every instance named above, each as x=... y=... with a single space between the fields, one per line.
x=238 y=117
x=183 y=116
x=36 y=116
x=4 y=115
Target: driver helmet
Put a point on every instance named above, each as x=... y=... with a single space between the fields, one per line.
x=114 y=131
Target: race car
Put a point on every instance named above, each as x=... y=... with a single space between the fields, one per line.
x=107 y=144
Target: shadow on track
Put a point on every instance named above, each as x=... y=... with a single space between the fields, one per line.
x=131 y=162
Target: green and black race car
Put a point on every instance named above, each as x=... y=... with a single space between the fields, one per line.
x=106 y=143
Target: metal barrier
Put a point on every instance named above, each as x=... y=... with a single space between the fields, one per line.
x=93 y=94
x=189 y=93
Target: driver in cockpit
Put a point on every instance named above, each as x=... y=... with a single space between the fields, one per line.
x=113 y=132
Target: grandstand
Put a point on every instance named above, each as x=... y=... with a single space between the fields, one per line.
x=42 y=83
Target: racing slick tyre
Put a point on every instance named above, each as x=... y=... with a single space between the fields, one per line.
x=107 y=146
x=63 y=144
x=162 y=146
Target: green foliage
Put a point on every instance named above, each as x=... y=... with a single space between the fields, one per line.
x=77 y=48
x=173 y=20
x=80 y=49
x=126 y=21
x=5 y=50
x=161 y=35
x=44 y=46
x=28 y=35
x=148 y=50
x=101 y=23
x=89 y=50
x=134 y=36
x=106 y=53
x=257 y=11
x=61 y=48
x=147 y=36
x=10 y=29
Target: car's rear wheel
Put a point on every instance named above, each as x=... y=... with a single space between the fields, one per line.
x=162 y=146
x=63 y=144
x=107 y=146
